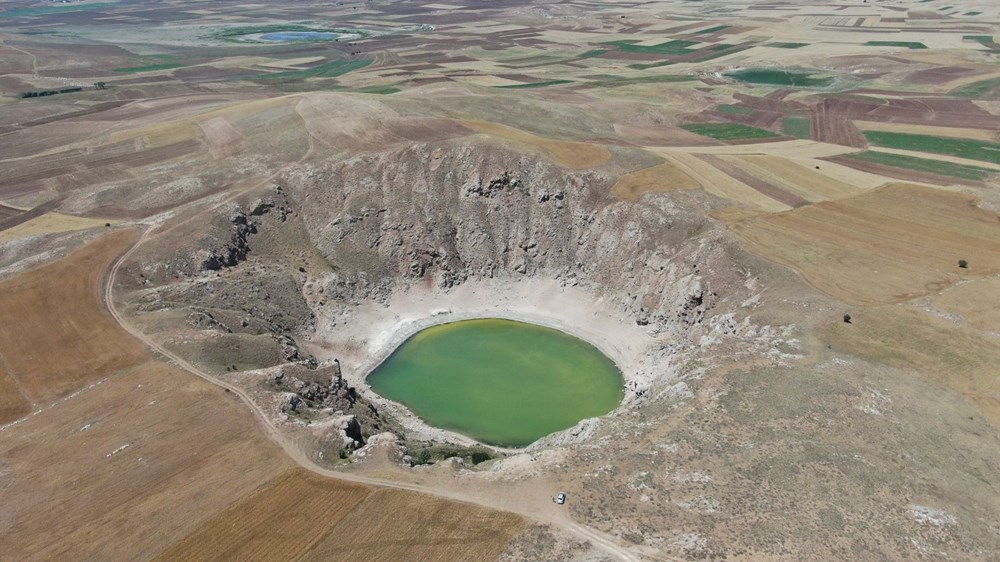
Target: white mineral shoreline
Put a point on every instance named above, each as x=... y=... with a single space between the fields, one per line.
x=372 y=332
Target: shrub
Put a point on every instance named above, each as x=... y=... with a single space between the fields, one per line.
x=847 y=318
x=963 y=264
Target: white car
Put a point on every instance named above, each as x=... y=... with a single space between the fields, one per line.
x=561 y=498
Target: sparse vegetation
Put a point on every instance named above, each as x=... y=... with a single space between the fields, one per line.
x=964 y=264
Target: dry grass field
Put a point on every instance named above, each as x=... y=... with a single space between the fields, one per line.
x=903 y=336
x=393 y=525
x=63 y=337
x=570 y=154
x=888 y=245
x=127 y=467
x=975 y=301
x=657 y=179
x=50 y=223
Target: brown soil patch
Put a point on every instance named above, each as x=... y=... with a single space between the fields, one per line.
x=12 y=403
x=191 y=449
x=396 y=525
x=905 y=337
x=888 y=245
x=223 y=139
x=279 y=522
x=569 y=154
x=655 y=179
x=63 y=337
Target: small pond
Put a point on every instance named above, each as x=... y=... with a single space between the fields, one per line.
x=498 y=381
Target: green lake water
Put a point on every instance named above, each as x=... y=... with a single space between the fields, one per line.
x=498 y=381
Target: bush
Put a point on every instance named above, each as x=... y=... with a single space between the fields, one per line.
x=847 y=318
x=423 y=457
x=342 y=453
x=480 y=456
x=963 y=264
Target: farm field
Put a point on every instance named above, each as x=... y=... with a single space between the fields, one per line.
x=277 y=521
x=435 y=530
x=866 y=250
x=67 y=338
x=729 y=131
x=971 y=149
x=937 y=167
x=154 y=452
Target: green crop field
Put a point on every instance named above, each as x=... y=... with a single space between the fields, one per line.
x=981 y=89
x=711 y=30
x=675 y=47
x=799 y=127
x=728 y=131
x=330 y=69
x=963 y=148
x=646 y=66
x=592 y=53
x=907 y=44
x=148 y=68
x=924 y=165
x=734 y=109
x=787 y=45
x=535 y=84
x=779 y=77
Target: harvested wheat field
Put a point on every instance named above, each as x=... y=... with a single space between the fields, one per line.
x=656 y=179
x=888 y=245
x=64 y=337
x=569 y=154
x=393 y=525
x=144 y=457
x=798 y=180
x=303 y=516
x=50 y=223
x=280 y=521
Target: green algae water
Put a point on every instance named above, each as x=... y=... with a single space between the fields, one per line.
x=500 y=382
